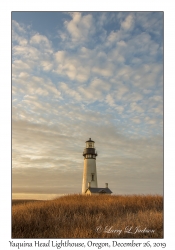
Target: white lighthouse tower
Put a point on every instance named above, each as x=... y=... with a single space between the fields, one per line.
x=89 y=172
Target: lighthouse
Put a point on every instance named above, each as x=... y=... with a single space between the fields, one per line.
x=89 y=185
x=89 y=172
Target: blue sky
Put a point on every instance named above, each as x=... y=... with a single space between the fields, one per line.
x=77 y=75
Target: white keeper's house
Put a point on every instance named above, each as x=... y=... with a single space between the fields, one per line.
x=90 y=185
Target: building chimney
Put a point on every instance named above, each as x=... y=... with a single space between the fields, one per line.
x=106 y=185
x=89 y=184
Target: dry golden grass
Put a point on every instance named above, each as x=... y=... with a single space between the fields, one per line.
x=17 y=202
x=78 y=216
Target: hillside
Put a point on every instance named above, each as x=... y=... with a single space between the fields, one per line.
x=77 y=216
x=17 y=202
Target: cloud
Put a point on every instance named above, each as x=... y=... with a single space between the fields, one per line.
x=128 y=23
x=103 y=70
x=42 y=43
x=151 y=22
x=71 y=66
x=120 y=91
x=20 y=28
x=136 y=107
x=110 y=100
x=46 y=65
x=23 y=75
x=150 y=120
x=35 y=85
x=136 y=119
x=20 y=65
x=80 y=26
x=70 y=92
x=18 y=38
x=119 y=108
x=116 y=37
x=56 y=183
x=40 y=39
x=27 y=52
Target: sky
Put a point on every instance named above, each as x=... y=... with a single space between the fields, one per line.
x=77 y=75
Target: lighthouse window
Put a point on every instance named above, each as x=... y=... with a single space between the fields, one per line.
x=92 y=177
x=90 y=145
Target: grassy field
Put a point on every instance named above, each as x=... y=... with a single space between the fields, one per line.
x=17 y=202
x=78 y=216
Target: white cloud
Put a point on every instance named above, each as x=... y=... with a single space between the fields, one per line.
x=122 y=43
x=23 y=75
x=18 y=27
x=60 y=56
x=109 y=99
x=20 y=39
x=99 y=84
x=136 y=120
x=70 y=92
x=135 y=107
x=128 y=23
x=27 y=52
x=71 y=66
x=80 y=27
x=151 y=23
x=40 y=39
x=46 y=65
x=114 y=37
x=14 y=90
x=103 y=71
x=135 y=97
x=121 y=91
x=119 y=108
x=150 y=120
x=158 y=110
x=156 y=98
x=19 y=65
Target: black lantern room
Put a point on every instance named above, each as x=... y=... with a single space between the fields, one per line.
x=90 y=152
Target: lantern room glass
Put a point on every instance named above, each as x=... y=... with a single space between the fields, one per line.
x=89 y=144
